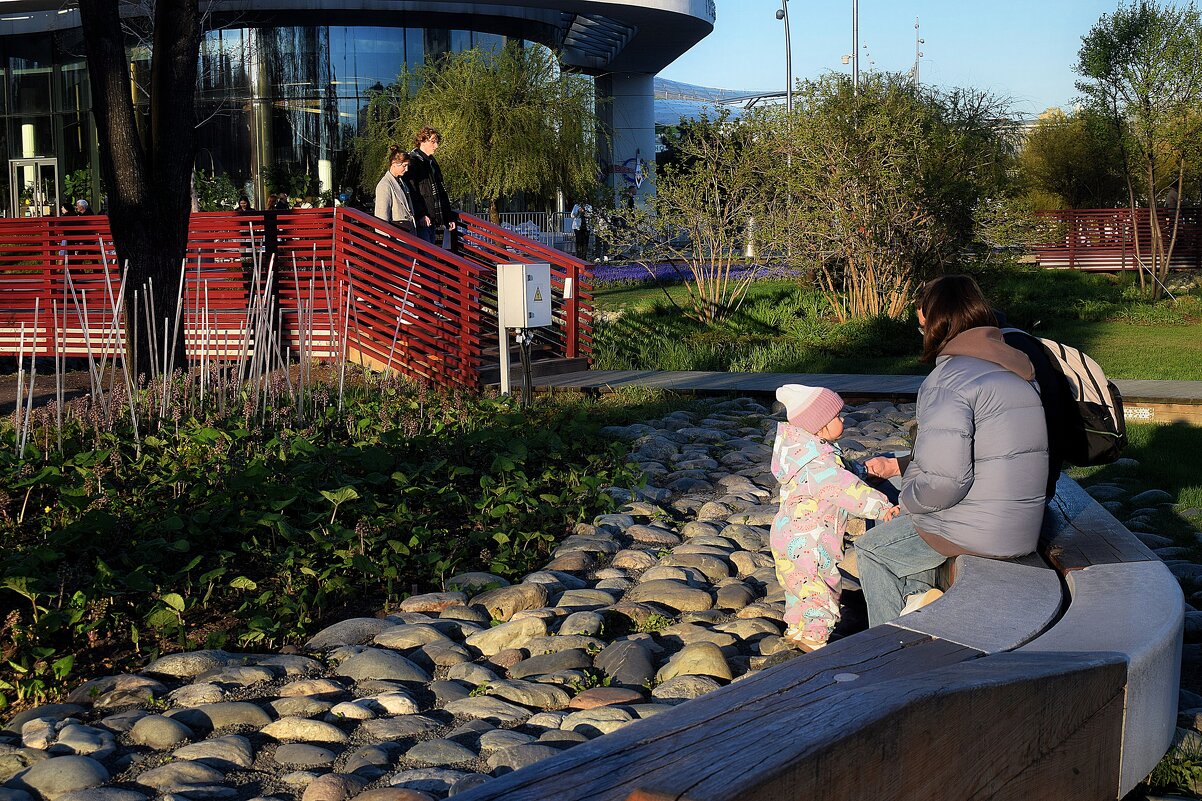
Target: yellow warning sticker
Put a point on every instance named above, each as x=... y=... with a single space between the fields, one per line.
x=538 y=295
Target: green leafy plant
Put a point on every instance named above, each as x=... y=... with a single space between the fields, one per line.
x=79 y=185
x=215 y=191
x=1180 y=770
x=654 y=622
x=592 y=678
x=216 y=532
x=288 y=177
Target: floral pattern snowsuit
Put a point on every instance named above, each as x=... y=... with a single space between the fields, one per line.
x=817 y=492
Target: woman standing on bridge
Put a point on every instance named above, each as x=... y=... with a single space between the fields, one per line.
x=393 y=201
x=975 y=482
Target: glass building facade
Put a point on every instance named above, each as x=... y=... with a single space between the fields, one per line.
x=46 y=107
x=286 y=99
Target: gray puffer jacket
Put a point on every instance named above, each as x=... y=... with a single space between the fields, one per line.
x=976 y=482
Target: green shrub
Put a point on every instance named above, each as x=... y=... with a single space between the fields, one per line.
x=215 y=192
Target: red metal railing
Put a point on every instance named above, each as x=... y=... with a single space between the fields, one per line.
x=417 y=307
x=1104 y=239
x=342 y=281
x=571 y=335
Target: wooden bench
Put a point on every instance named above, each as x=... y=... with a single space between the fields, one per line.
x=1013 y=685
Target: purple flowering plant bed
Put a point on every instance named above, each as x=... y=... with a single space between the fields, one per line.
x=631 y=274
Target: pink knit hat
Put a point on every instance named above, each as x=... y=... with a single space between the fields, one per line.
x=809 y=408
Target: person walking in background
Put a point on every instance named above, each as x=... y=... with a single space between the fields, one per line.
x=394 y=203
x=244 y=206
x=581 y=213
x=281 y=202
x=817 y=492
x=1171 y=198
x=81 y=208
x=433 y=207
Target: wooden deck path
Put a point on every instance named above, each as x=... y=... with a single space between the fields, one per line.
x=1145 y=401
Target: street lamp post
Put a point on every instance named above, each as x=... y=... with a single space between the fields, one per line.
x=783 y=14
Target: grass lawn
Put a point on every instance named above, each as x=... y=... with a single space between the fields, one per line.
x=1126 y=350
x=1167 y=456
x=644 y=297
x=786 y=326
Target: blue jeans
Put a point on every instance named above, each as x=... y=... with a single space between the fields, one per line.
x=425 y=232
x=894 y=562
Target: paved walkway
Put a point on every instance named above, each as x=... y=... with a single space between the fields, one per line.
x=851 y=386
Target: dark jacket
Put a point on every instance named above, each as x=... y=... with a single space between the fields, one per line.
x=430 y=195
x=1054 y=393
x=976 y=482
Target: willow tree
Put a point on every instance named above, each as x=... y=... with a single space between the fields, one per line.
x=511 y=121
x=1072 y=161
x=1140 y=67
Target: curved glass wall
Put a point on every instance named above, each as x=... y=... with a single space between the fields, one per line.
x=275 y=105
x=280 y=106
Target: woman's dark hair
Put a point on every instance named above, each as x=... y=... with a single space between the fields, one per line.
x=951 y=304
x=397 y=155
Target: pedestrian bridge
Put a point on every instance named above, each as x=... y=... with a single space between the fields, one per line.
x=334 y=282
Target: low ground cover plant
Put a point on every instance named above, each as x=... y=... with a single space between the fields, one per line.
x=219 y=533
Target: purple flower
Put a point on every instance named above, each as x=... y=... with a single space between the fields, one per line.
x=618 y=274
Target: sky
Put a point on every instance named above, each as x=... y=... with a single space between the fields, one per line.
x=1020 y=49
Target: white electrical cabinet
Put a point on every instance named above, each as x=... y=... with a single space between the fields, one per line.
x=523 y=295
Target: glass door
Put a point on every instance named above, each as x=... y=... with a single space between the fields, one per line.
x=34 y=187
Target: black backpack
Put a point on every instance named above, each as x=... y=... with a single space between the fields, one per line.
x=1083 y=408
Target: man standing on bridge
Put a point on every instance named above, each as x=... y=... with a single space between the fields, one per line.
x=433 y=210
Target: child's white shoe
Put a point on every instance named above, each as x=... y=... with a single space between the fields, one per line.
x=920 y=599
x=803 y=643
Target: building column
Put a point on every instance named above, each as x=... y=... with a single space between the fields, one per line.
x=258 y=108
x=627 y=109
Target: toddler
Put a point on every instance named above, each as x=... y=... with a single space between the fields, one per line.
x=817 y=491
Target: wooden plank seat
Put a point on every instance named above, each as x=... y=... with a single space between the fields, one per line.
x=993 y=691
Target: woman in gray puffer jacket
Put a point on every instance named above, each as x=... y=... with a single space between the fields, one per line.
x=975 y=483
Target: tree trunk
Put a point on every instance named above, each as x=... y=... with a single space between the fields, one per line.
x=494 y=212
x=1139 y=267
x=1154 y=232
x=148 y=177
x=1176 y=212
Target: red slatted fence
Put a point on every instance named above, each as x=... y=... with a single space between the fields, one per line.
x=417 y=306
x=571 y=335
x=1104 y=239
